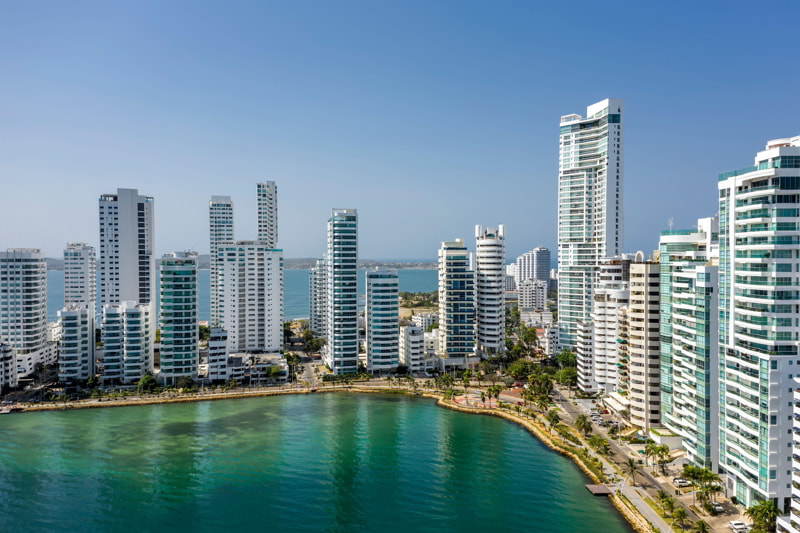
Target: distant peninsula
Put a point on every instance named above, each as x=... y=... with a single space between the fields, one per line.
x=297 y=263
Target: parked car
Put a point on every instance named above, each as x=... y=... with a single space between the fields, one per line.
x=717 y=507
x=739 y=527
x=680 y=482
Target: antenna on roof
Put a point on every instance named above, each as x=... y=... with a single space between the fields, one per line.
x=670 y=222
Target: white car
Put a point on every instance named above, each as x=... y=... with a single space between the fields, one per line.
x=680 y=483
x=738 y=526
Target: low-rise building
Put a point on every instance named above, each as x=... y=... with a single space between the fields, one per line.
x=425 y=320
x=412 y=348
x=217 y=363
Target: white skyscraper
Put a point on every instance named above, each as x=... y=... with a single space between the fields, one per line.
x=317 y=297
x=76 y=355
x=178 y=317
x=490 y=289
x=80 y=274
x=128 y=341
x=759 y=241
x=382 y=320
x=689 y=339
x=533 y=265
x=251 y=296
x=456 y=306
x=127 y=263
x=341 y=349
x=220 y=220
x=23 y=309
x=268 y=213
x=590 y=194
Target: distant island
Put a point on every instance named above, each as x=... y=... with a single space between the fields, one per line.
x=301 y=263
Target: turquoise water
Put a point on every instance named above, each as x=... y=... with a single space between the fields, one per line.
x=328 y=462
x=295 y=298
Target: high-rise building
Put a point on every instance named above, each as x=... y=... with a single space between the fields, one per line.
x=490 y=289
x=456 y=306
x=689 y=339
x=76 y=354
x=178 y=317
x=341 y=348
x=791 y=522
x=758 y=332
x=533 y=265
x=412 y=348
x=127 y=261
x=317 y=297
x=220 y=222
x=382 y=316
x=533 y=295
x=8 y=371
x=217 y=364
x=268 y=213
x=251 y=296
x=23 y=309
x=638 y=324
x=590 y=194
x=80 y=274
x=597 y=361
x=128 y=341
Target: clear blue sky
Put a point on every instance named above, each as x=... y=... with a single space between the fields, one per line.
x=428 y=117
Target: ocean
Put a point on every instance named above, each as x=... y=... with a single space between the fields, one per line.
x=295 y=287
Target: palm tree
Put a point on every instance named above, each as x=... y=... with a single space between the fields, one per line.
x=542 y=403
x=679 y=517
x=483 y=398
x=583 y=424
x=650 y=451
x=669 y=505
x=700 y=527
x=632 y=468
x=465 y=379
x=553 y=419
x=763 y=515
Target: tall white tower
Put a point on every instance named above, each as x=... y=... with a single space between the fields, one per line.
x=456 y=305
x=341 y=349
x=80 y=274
x=490 y=289
x=220 y=221
x=268 y=213
x=127 y=263
x=590 y=193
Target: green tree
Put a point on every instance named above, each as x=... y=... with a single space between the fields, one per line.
x=669 y=505
x=566 y=359
x=700 y=527
x=553 y=419
x=583 y=424
x=631 y=467
x=542 y=403
x=679 y=516
x=204 y=333
x=185 y=382
x=148 y=383
x=763 y=514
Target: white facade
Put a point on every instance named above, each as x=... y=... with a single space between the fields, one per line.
x=178 y=317
x=128 y=341
x=80 y=274
x=412 y=348
x=456 y=305
x=268 y=213
x=221 y=229
x=425 y=320
x=598 y=366
x=23 y=309
x=791 y=522
x=317 y=297
x=551 y=340
x=382 y=320
x=533 y=295
x=590 y=194
x=53 y=331
x=638 y=322
x=490 y=290
x=758 y=297
x=76 y=354
x=341 y=349
x=217 y=363
x=689 y=339
x=127 y=260
x=532 y=265
x=251 y=296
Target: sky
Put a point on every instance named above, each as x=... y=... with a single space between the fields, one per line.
x=428 y=117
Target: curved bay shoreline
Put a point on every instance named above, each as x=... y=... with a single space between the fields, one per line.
x=628 y=511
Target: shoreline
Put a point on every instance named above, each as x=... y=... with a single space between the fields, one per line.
x=628 y=512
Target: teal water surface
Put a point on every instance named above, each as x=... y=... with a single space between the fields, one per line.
x=327 y=462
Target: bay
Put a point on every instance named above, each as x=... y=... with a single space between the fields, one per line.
x=295 y=287
x=326 y=462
